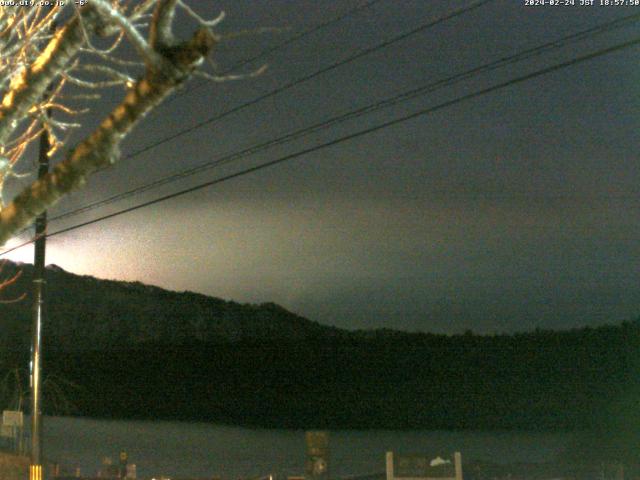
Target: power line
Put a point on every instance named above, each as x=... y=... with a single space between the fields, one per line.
x=305 y=33
x=283 y=44
x=351 y=136
x=402 y=97
x=453 y=14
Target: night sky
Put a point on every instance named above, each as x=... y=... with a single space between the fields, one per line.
x=515 y=210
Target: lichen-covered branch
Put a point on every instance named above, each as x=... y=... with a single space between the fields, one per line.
x=160 y=33
x=102 y=147
x=27 y=90
x=34 y=58
x=113 y=15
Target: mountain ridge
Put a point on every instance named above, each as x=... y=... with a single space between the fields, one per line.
x=134 y=300
x=107 y=312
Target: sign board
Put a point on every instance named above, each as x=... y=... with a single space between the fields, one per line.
x=420 y=467
x=131 y=471
x=414 y=466
x=317 y=465
x=317 y=443
x=12 y=418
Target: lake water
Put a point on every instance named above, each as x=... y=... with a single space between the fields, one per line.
x=193 y=450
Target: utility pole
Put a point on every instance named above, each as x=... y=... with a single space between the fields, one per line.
x=39 y=284
x=39 y=290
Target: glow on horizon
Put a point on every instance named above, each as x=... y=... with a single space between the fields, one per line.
x=55 y=254
x=22 y=255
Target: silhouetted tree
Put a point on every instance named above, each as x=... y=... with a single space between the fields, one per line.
x=37 y=67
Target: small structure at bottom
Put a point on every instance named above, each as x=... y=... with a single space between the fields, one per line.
x=420 y=467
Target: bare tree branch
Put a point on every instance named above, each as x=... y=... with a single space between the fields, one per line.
x=32 y=59
x=10 y=281
x=160 y=33
x=101 y=148
x=33 y=82
x=111 y=14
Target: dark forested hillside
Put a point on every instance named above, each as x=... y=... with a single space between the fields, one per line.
x=140 y=351
x=87 y=313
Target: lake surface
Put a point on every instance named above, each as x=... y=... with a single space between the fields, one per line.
x=176 y=449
